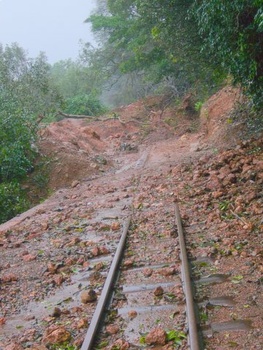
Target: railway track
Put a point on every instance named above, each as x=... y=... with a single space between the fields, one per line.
x=156 y=299
x=137 y=267
x=147 y=305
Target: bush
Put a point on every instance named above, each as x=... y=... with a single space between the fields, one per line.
x=16 y=154
x=233 y=35
x=12 y=200
x=84 y=104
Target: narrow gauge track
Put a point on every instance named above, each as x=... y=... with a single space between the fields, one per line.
x=149 y=293
x=146 y=313
x=148 y=305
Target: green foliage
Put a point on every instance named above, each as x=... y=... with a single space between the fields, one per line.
x=158 y=41
x=25 y=93
x=75 y=78
x=198 y=106
x=79 y=84
x=176 y=336
x=12 y=200
x=233 y=36
x=84 y=104
x=63 y=347
x=26 y=87
x=180 y=45
x=16 y=153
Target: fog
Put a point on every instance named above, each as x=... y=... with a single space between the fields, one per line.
x=53 y=26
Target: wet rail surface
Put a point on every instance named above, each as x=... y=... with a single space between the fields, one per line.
x=140 y=271
x=148 y=295
x=144 y=296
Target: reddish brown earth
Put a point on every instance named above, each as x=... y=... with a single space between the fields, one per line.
x=112 y=164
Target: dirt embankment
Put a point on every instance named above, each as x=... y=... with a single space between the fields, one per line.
x=81 y=148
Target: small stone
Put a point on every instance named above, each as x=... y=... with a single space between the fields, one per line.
x=83 y=323
x=99 y=266
x=56 y=312
x=167 y=271
x=11 y=277
x=2 y=320
x=58 y=279
x=112 y=329
x=44 y=225
x=115 y=226
x=132 y=314
x=128 y=263
x=52 y=268
x=29 y=317
x=88 y=296
x=120 y=344
x=74 y=242
x=147 y=272
x=95 y=251
x=74 y=183
x=104 y=250
x=217 y=194
x=70 y=262
x=56 y=335
x=29 y=257
x=158 y=291
x=157 y=336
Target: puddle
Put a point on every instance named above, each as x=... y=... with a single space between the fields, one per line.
x=137 y=278
x=36 y=311
x=164 y=315
x=111 y=214
x=153 y=267
x=213 y=279
x=67 y=297
x=144 y=297
x=202 y=259
x=145 y=287
x=146 y=309
x=234 y=325
x=222 y=301
x=226 y=301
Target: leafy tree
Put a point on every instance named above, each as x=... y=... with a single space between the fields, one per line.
x=233 y=34
x=158 y=40
x=84 y=104
x=188 y=43
x=71 y=78
x=79 y=84
x=25 y=92
x=12 y=200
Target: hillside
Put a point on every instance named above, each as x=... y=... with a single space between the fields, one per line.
x=203 y=163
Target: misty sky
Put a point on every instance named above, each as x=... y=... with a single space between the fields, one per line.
x=52 y=26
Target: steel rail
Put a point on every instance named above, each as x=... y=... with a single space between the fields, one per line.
x=97 y=317
x=193 y=337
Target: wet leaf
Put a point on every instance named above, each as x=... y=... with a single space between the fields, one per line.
x=232 y=344
x=237 y=279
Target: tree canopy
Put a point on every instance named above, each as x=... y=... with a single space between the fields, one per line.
x=25 y=92
x=194 y=43
x=233 y=35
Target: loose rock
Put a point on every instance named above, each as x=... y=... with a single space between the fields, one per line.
x=88 y=296
x=157 y=336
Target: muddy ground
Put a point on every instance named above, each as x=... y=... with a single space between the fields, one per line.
x=103 y=168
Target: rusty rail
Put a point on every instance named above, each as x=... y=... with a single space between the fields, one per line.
x=193 y=337
x=97 y=317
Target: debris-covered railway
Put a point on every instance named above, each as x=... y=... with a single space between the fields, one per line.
x=107 y=273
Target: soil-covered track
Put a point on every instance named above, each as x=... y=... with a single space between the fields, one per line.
x=55 y=258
